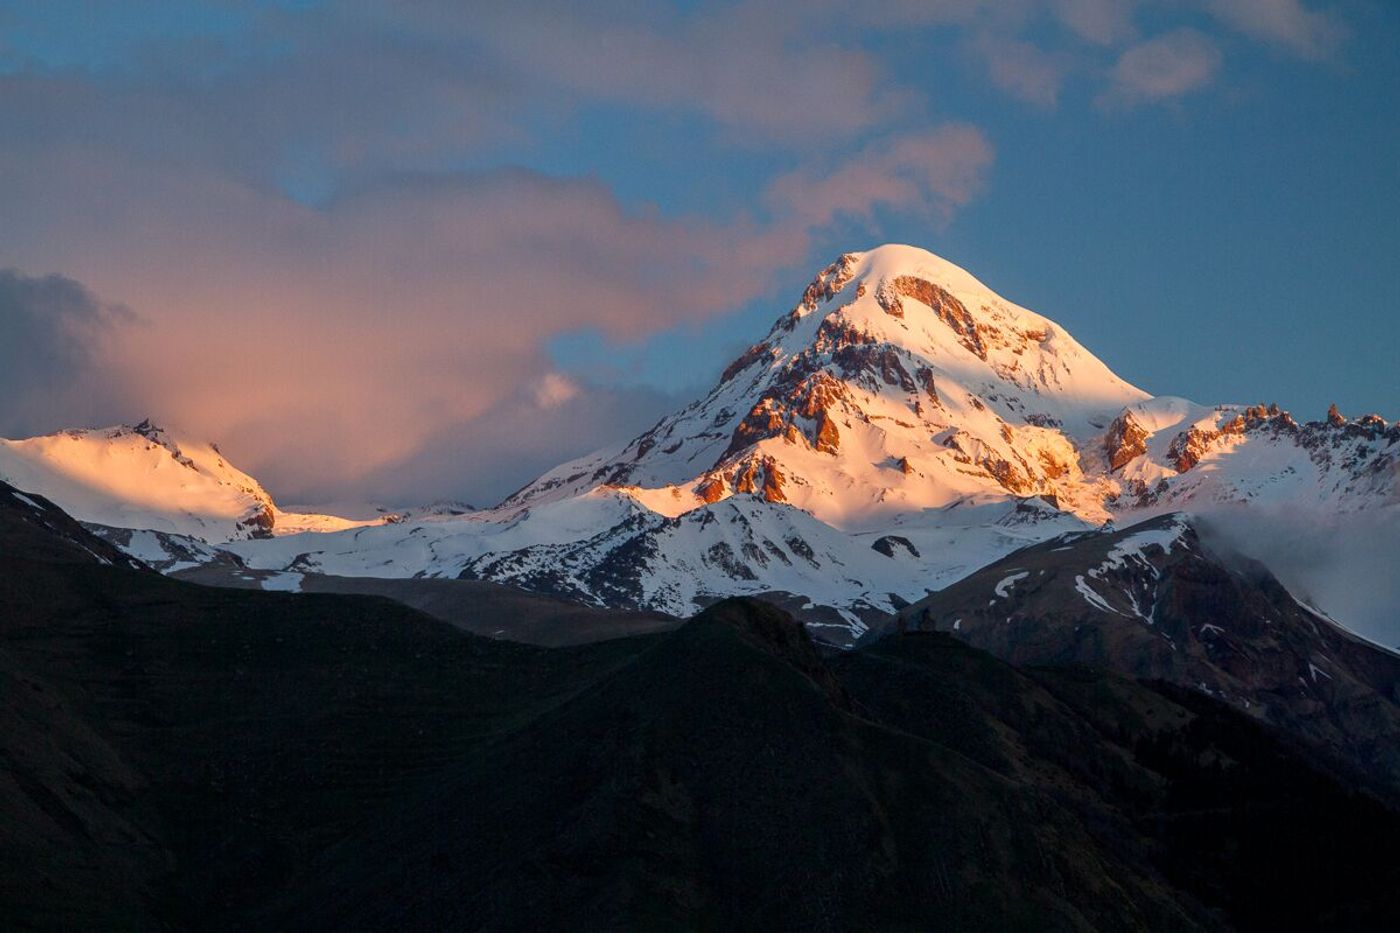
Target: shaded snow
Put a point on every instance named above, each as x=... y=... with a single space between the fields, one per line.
x=1003 y=589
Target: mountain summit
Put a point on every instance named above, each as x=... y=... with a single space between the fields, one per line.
x=898 y=383
x=145 y=477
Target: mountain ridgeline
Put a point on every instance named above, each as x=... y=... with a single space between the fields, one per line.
x=898 y=428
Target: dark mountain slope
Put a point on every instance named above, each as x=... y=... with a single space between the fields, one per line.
x=182 y=757
x=722 y=780
x=34 y=527
x=1157 y=600
x=1234 y=812
x=173 y=754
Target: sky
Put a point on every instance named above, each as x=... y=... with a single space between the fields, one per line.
x=401 y=251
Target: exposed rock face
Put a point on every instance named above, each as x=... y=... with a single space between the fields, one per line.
x=829 y=282
x=1188 y=447
x=747 y=359
x=803 y=393
x=889 y=545
x=1126 y=440
x=828 y=438
x=762 y=477
x=1335 y=417
x=260 y=523
x=711 y=489
x=1010 y=476
x=947 y=308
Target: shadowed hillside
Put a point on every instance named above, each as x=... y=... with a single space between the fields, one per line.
x=181 y=757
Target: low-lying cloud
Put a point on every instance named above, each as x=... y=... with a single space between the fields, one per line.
x=1344 y=564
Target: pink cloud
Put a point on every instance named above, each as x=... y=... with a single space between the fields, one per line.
x=329 y=343
x=1103 y=22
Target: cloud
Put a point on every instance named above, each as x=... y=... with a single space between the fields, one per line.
x=930 y=173
x=1343 y=564
x=554 y=390
x=1162 y=68
x=484 y=459
x=751 y=68
x=53 y=332
x=343 y=337
x=1022 y=69
x=1288 y=23
x=1102 y=22
x=320 y=344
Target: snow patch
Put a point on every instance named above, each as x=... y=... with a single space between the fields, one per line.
x=1003 y=589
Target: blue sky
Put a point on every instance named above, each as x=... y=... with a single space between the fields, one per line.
x=410 y=250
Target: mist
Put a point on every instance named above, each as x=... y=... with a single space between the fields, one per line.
x=1347 y=565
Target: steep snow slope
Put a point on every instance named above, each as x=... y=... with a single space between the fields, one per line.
x=144 y=477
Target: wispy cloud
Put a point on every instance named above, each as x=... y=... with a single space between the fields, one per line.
x=1162 y=68
x=929 y=173
x=1022 y=69
x=1289 y=24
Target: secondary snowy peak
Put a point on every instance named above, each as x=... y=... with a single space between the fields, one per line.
x=145 y=477
x=1169 y=453
x=898 y=383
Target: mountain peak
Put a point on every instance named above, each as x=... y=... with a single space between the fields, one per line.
x=890 y=260
x=897 y=383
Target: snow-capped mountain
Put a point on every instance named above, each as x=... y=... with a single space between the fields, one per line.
x=144 y=477
x=898 y=428
x=901 y=426
x=898 y=384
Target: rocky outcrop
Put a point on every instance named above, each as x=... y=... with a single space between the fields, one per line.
x=711 y=489
x=829 y=282
x=889 y=545
x=750 y=356
x=760 y=476
x=1126 y=440
x=802 y=393
x=948 y=309
x=828 y=438
x=260 y=523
